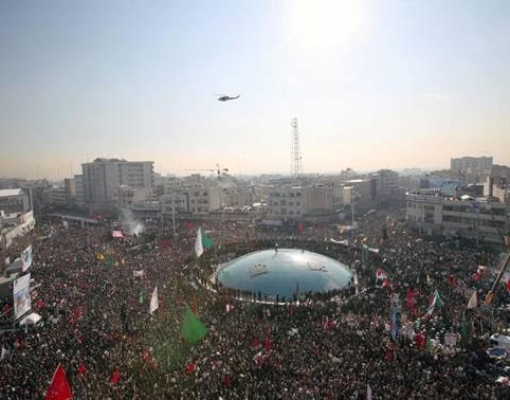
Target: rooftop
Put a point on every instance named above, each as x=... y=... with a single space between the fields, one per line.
x=10 y=192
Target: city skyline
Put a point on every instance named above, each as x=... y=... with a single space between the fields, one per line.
x=373 y=85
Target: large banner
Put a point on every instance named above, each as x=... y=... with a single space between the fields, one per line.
x=21 y=295
x=26 y=258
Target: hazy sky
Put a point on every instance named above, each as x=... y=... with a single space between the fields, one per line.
x=373 y=84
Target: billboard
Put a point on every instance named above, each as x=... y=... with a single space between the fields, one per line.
x=21 y=296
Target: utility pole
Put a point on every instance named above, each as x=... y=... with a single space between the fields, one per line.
x=173 y=212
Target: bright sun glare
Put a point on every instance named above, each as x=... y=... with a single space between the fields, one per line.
x=325 y=25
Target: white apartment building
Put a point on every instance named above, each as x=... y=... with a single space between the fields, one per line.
x=14 y=201
x=102 y=177
x=297 y=202
x=78 y=186
x=194 y=195
x=237 y=197
x=127 y=196
x=16 y=216
x=56 y=195
x=468 y=164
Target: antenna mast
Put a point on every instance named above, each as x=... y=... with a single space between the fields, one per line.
x=295 y=166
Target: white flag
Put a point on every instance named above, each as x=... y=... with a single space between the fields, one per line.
x=369 y=392
x=26 y=258
x=199 y=249
x=4 y=353
x=154 y=301
x=473 y=301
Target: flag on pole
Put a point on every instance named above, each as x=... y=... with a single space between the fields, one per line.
x=199 y=249
x=436 y=301
x=192 y=330
x=110 y=259
x=154 y=301
x=207 y=242
x=369 y=392
x=142 y=295
x=395 y=324
x=117 y=234
x=473 y=301
x=26 y=258
x=59 y=388
x=4 y=353
x=115 y=377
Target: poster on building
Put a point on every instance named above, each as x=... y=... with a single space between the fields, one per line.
x=26 y=258
x=21 y=296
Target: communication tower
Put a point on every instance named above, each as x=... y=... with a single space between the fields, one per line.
x=295 y=166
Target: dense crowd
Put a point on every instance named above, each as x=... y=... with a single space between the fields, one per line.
x=97 y=325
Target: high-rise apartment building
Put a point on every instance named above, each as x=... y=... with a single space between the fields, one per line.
x=102 y=177
x=469 y=164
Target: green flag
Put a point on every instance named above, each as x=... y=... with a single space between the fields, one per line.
x=110 y=260
x=207 y=242
x=438 y=300
x=142 y=296
x=193 y=330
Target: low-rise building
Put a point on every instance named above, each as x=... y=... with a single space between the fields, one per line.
x=469 y=217
x=300 y=202
x=127 y=196
x=16 y=215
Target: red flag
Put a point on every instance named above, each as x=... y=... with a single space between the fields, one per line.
x=115 y=377
x=508 y=285
x=147 y=357
x=227 y=380
x=81 y=369
x=419 y=341
x=300 y=228
x=410 y=301
x=191 y=368
x=451 y=280
x=389 y=352
x=267 y=342
x=59 y=388
x=164 y=244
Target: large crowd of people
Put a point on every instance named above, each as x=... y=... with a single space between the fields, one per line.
x=93 y=293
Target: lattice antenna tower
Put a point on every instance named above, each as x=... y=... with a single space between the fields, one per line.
x=295 y=166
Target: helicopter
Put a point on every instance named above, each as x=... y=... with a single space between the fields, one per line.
x=224 y=97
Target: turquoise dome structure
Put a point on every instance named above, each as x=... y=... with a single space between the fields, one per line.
x=284 y=273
